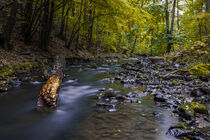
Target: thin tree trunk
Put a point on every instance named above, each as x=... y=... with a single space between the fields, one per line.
x=207 y=11
x=120 y=42
x=78 y=34
x=66 y=24
x=199 y=26
x=27 y=26
x=178 y=25
x=92 y=18
x=61 y=35
x=52 y=12
x=167 y=28
x=172 y=28
x=134 y=45
x=45 y=24
x=9 y=26
x=73 y=9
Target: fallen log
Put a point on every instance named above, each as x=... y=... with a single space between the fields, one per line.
x=49 y=94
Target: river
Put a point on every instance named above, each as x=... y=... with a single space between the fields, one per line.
x=76 y=117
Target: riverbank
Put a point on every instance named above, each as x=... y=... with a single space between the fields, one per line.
x=140 y=88
x=172 y=86
x=30 y=63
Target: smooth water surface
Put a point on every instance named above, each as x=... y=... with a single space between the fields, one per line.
x=76 y=117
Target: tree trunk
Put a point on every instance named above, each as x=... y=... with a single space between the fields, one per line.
x=167 y=28
x=134 y=45
x=9 y=26
x=172 y=28
x=91 y=20
x=49 y=94
x=50 y=28
x=199 y=25
x=73 y=9
x=47 y=24
x=27 y=26
x=178 y=25
x=120 y=40
x=207 y=19
x=61 y=35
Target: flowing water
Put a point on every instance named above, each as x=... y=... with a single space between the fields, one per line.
x=76 y=117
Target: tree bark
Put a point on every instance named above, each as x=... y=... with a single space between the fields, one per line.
x=9 y=26
x=178 y=25
x=49 y=94
x=207 y=19
x=27 y=26
x=61 y=35
x=172 y=28
x=134 y=45
x=91 y=20
x=167 y=27
x=47 y=24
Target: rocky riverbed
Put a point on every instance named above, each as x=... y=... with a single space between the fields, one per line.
x=171 y=86
x=142 y=98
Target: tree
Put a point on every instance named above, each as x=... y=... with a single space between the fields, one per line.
x=9 y=26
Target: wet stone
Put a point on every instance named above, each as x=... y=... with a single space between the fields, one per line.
x=160 y=98
x=178 y=132
x=112 y=110
x=188 y=99
x=197 y=93
x=120 y=97
x=139 y=124
x=113 y=101
x=105 y=105
x=207 y=119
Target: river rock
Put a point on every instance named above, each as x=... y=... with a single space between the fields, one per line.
x=105 y=105
x=120 y=97
x=178 y=132
x=197 y=93
x=113 y=110
x=107 y=94
x=160 y=98
x=188 y=110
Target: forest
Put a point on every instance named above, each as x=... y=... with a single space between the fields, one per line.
x=105 y=69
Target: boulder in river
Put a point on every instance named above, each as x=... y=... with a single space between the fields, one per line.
x=188 y=110
x=107 y=94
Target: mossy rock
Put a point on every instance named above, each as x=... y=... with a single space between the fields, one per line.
x=9 y=70
x=143 y=74
x=200 y=70
x=6 y=71
x=194 y=107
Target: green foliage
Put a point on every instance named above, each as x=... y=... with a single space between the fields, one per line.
x=112 y=25
x=19 y=1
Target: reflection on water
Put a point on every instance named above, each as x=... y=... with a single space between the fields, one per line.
x=76 y=116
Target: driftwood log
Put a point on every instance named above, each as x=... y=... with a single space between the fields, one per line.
x=49 y=94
